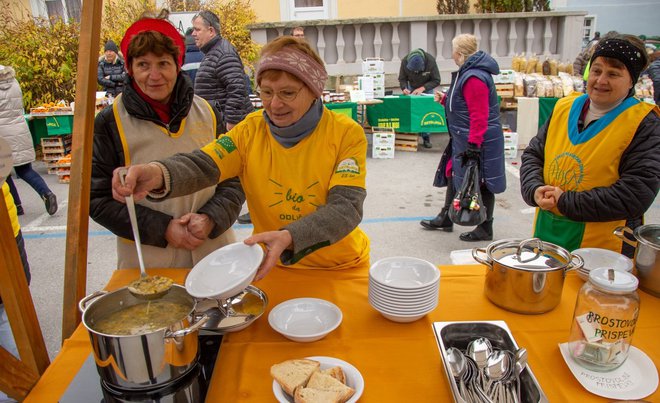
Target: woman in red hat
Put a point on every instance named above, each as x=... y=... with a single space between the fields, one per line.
x=157 y=116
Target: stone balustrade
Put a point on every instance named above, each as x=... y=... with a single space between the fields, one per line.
x=344 y=44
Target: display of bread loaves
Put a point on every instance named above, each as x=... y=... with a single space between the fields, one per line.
x=304 y=380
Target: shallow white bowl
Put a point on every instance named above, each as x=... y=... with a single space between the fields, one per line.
x=597 y=257
x=401 y=305
x=354 y=379
x=408 y=295
x=403 y=310
x=305 y=319
x=403 y=318
x=224 y=272
x=403 y=272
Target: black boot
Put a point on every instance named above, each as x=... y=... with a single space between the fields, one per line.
x=50 y=200
x=440 y=222
x=483 y=232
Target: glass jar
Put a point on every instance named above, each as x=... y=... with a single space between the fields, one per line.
x=604 y=320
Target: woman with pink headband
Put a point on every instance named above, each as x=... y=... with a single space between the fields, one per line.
x=302 y=166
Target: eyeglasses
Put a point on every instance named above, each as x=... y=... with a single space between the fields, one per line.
x=286 y=95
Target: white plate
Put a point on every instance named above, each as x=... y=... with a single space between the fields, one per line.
x=597 y=257
x=353 y=379
x=635 y=379
x=224 y=272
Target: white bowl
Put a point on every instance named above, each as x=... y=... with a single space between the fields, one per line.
x=403 y=318
x=353 y=379
x=305 y=319
x=402 y=272
x=224 y=272
x=597 y=257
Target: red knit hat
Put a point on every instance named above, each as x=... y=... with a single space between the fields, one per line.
x=154 y=24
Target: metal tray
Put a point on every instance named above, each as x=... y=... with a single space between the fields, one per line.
x=230 y=320
x=459 y=334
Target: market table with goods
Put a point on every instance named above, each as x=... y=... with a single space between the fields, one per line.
x=397 y=361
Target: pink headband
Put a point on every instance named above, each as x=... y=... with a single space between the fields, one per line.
x=298 y=63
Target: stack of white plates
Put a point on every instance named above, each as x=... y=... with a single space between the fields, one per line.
x=403 y=289
x=597 y=257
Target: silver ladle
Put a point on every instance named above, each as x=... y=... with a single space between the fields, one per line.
x=146 y=287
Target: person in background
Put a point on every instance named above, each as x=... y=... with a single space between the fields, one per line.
x=419 y=74
x=156 y=116
x=110 y=73
x=16 y=132
x=302 y=165
x=220 y=78
x=7 y=340
x=193 y=56
x=581 y=63
x=653 y=72
x=298 y=32
x=473 y=119
x=595 y=163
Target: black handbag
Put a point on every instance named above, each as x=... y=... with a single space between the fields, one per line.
x=467 y=207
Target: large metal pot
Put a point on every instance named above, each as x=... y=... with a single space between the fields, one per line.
x=646 y=259
x=145 y=361
x=525 y=276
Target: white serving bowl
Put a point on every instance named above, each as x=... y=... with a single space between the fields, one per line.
x=407 y=295
x=225 y=272
x=404 y=318
x=404 y=273
x=597 y=257
x=305 y=319
x=403 y=310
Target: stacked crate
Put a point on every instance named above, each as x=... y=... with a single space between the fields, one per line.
x=510 y=143
x=53 y=149
x=406 y=142
x=383 y=139
x=372 y=80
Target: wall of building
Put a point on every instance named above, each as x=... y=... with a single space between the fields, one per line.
x=637 y=17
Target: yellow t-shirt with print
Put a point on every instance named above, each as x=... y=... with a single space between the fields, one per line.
x=284 y=184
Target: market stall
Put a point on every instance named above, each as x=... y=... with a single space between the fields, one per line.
x=408 y=114
x=398 y=361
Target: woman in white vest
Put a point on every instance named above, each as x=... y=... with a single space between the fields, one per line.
x=155 y=117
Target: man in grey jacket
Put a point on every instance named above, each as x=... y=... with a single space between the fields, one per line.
x=220 y=78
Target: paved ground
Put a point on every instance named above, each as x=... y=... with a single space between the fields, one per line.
x=399 y=195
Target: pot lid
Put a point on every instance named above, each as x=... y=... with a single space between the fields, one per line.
x=649 y=234
x=609 y=279
x=529 y=260
x=531 y=254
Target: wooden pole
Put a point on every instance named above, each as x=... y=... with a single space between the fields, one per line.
x=75 y=263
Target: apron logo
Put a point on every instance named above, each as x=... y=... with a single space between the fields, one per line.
x=349 y=165
x=227 y=143
x=566 y=171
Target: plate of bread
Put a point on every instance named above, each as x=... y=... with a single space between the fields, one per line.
x=316 y=380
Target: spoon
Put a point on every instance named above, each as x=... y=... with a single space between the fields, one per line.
x=521 y=363
x=457 y=366
x=146 y=287
x=498 y=366
x=479 y=350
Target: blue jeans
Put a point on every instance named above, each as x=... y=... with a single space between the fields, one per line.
x=33 y=179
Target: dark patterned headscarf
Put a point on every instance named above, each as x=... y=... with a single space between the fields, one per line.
x=622 y=50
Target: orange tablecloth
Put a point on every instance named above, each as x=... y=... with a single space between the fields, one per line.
x=395 y=359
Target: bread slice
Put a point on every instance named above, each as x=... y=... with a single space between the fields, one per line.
x=309 y=395
x=323 y=381
x=292 y=374
x=337 y=373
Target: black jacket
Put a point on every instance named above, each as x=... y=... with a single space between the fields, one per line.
x=117 y=75
x=223 y=208
x=654 y=73
x=627 y=199
x=429 y=77
x=220 y=80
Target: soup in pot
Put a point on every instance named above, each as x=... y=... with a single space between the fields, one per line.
x=142 y=318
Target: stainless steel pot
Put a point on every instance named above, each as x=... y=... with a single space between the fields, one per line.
x=144 y=361
x=525 y=276
x=646 y=259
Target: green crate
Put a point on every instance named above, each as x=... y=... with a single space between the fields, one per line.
x=345 y=108
x=59 y=125
x=37 y=129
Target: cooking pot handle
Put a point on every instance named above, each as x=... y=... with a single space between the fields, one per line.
x=619 y=232
x=82 y=305
x=537 y=251
x=482 y=260
x=576 y=263
x=183 y=332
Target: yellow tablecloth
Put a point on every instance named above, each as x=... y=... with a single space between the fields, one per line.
x=398 y=361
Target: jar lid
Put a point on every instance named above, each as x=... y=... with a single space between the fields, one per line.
x=609 y=279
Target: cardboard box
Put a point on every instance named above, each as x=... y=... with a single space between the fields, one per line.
x=383 y=139
x=510 y=139
x=383 y=152
x=373 y=66
x=510 y=152
x=505 y=77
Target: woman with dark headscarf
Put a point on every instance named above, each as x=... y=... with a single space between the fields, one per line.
x=595 y=164
x=156 y=116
